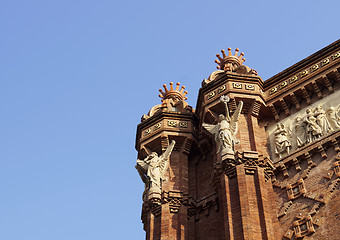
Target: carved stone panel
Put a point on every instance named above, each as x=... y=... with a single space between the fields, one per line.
x=304 y=127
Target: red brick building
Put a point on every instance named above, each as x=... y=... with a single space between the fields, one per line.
x=253 y=160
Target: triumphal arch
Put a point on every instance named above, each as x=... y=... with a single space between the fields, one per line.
x=253 y=160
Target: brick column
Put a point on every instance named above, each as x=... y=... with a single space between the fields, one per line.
x=245 y=197
x=164 y=214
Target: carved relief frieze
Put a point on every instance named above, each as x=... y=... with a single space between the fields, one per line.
x=305 y=127
x=304 y=73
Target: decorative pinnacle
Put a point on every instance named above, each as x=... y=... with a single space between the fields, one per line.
x=230 y=58
x=175 y=94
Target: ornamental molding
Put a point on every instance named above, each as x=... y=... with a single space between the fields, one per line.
x=302 y=75
x=250 y=160
x=232 y=84
x=313 y=88
x=177 y=199
x=165 y=124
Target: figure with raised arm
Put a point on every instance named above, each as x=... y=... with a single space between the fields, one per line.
x=225 y=131
x=152 y=170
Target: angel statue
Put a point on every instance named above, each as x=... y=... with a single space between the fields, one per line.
x=226 y=129
x=152 y=170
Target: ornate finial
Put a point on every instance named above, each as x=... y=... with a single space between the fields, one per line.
x=233 y=59
x=175 y=94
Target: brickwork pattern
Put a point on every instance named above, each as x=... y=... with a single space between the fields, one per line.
x=245 y=195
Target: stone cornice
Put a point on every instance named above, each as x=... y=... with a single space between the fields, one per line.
x=302 y=64
x=311 y=72
x=235 y=83
x=153 y=125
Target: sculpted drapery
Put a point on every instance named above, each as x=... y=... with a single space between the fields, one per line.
x=152 y=170
x=282 y=144
x=225 y=131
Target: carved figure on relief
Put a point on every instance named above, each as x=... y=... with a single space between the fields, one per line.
x=333 y=118
x=313 y=130
x=300 y=132
x=307 y=127
x=226 y=129
x=152 y=170
x=322 y=121
x=282 y=144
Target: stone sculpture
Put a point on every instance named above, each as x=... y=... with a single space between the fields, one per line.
x=282 y=144
x=332 y=117
x=152 y=170
x=315 y=123
x=226 y=129
x=313 y=130
x=322 y=121
x=300 y=132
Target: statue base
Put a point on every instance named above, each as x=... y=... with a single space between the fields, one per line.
x=154 y=195
x=227 y=156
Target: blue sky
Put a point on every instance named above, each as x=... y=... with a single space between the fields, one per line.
x=76 y=77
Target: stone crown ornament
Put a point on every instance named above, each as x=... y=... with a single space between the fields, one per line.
x=173 y=100
x=229 y=59
x=175 y=94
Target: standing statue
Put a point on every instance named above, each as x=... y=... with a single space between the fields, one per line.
x=152 y=170
x=313 y=130
x=300 y=132
x=226 y=129
x=282 y=144
x=322 y=121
